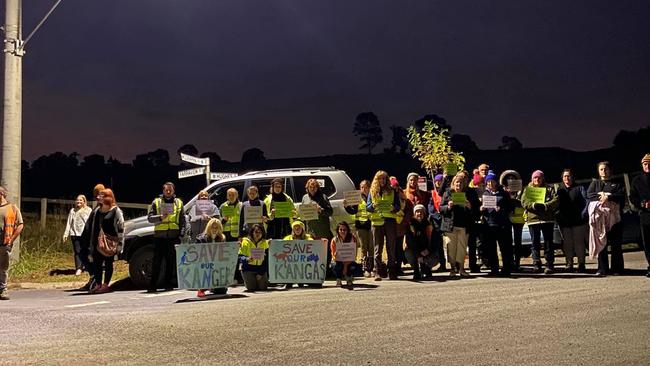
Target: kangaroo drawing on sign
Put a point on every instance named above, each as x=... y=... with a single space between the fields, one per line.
x=281 y=256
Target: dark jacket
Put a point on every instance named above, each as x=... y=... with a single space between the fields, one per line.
x=639 y=195
x=244 y=228
x=319 y=228
x=540 y=212
x=463 y=217
x=500 y=218
x=614 y=187
x=419 y=237
x=572 y=206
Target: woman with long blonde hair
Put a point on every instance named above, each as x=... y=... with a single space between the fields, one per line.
x=383 y=204
x=213 y=233
x=74 y=229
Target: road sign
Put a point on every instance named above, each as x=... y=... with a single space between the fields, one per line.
x=195 y=160
x=220 y=176
x=191 y=172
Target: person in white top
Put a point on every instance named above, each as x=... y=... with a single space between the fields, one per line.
x=74 y=228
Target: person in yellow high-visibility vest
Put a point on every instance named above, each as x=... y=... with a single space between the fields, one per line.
x=230 y=211
x=363 y=228
x=166 y=212
x=383 y=204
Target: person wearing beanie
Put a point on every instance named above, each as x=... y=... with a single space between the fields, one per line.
x=609 y=192
x=435 y=218
x=420 y=250
x=540 y=217
x=298 y=232
x=572 y=220
x=640 y=199
x=475 y=251
x=413 y=191
x=497 y=228
x=516 y=216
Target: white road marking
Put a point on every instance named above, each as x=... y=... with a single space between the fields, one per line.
x=87 y=304
x=169 y=293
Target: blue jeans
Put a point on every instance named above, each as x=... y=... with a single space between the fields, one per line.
x=338 y=269
x=536 y=232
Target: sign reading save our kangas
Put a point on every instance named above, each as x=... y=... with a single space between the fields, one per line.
x=206 y=265
x=297 y=261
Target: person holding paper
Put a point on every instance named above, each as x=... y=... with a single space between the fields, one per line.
x=572 y=220
x=343 y=266
x=282 y=210
x=609 y=192
x=213 y=233
x=516 y=216
x=298 y=232
x=230 y=211
x=166 y=212
x=420 y=250
x=202 y=211
x=319 y=228
x=458 y=210
x=435 y=218
x=383 y=204
x=362 y=227
x=253 y=255
x=404 y=216
x=253 y=201
x=495 y=212
x=540 y=203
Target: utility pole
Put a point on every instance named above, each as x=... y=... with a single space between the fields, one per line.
x=12 y=119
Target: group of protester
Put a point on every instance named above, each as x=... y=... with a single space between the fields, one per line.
x=464 y=214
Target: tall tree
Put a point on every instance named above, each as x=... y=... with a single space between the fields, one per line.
x=188 y=149
x=367 y=128
x=157 y=158
x=510 y=143
x=400 y=139
x=252 y=155
x=460 y=142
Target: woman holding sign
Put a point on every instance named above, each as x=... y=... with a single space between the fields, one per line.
x=202 y=211
x=298 y=232
x=246 y=219
x=363 y=228
x=457 y=218
x=230 y=214
x=282 y=210
x=213 y=233
x=540 y=203
x=253 y=258
x=320 y=226
x=511 y=181
x=383 y=204
x=344 y=253
x=495 y=212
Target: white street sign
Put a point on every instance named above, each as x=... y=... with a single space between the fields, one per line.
x=191 y=172
x=195 y=160
x=220 y=176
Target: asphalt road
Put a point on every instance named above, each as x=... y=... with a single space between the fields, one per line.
x=564 y=319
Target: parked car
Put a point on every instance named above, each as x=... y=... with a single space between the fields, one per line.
x=138 y=233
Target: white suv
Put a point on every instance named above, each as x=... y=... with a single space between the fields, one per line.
x=138 y=233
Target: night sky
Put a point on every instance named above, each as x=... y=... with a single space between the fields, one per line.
x=121 y=77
